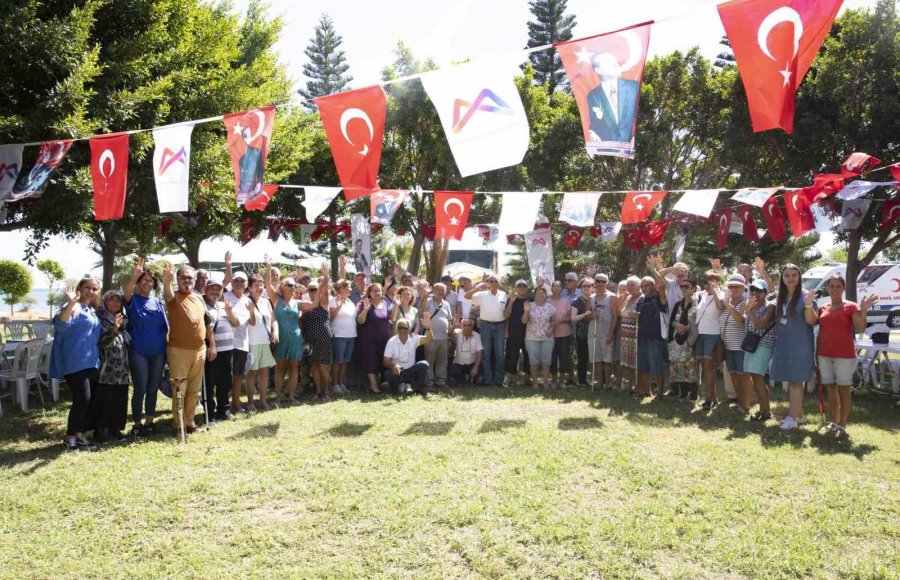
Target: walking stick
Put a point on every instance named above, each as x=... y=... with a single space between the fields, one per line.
x=821 y=396
x=205 y=405
x=179 y=406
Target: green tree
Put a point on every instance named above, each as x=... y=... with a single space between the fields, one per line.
x=15 y=283
x=54 y=273
x=327 y=67
x=551 y=24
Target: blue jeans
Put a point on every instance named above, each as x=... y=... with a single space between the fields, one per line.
x=493 y=340
x=146 y=374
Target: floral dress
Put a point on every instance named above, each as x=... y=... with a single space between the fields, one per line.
x=683 y=366
x=629 y=339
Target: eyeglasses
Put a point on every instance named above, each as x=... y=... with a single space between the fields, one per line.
x=685 y=286
x=185 y=277
x=311 y=290
x=402 y=328
x=602 y=281
x=290 y=285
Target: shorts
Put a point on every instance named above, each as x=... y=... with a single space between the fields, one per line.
x=734 y=359
x=651 y=356
x=261 y=357
x=342 y=349
x=706 y=345
x=757 y=363
x=599 y=351
x=540 y=352
x=239 y=362
x=837 y=371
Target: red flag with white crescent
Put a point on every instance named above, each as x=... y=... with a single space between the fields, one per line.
x=249 y=134
x=895 y=170
x=774 y=219
x=572 y=237
x=451 y=213
x=890 y=214
x=653 y=233
x=797 y=205
x=354 y=125
x=632 y=239
x=261 y=201
x=859 y=163
x=745 y=214
x=824 y=185
x=638 y=204
x=109 y=174
x=723 y=223
x=774 y=43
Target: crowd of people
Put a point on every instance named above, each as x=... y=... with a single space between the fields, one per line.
x=243 y=333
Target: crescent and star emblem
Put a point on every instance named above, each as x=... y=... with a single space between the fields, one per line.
x=454 y=220
x=723 y=223
x=895 y=209
x=640 y=206
x=794 y=201
x=897 y=282
x=106 y=157
x=772 y=209
x=354 y=113
x=244 y=131
x=783 y=14
x=635 y=51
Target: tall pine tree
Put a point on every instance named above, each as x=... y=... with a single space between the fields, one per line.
x=551 y=24
x=326 y=66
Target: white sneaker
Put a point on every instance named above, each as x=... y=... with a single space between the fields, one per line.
x=404 y=388
x=789 y=424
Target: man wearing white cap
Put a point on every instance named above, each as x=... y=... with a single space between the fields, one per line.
x=219 y=361
x=571 y=289
x=241 y=344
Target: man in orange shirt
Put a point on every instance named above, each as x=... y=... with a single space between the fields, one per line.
x=189 y=329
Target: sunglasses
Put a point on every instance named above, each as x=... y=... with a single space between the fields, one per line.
x=686 y=287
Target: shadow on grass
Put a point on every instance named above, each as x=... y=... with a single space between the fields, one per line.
x=430 y=428
x=258 y=432
x=493 y=426
x=347 y=429
x=579 y=423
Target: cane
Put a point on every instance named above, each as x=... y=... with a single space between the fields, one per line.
x=205 y=404
x=821 y=396
x=179 y=405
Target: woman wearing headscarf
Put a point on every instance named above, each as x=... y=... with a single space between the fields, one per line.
x=75 y=356
x=683 y=371
x=109 y=408
x=793 y=356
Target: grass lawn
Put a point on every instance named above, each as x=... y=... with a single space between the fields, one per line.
x=480 y=482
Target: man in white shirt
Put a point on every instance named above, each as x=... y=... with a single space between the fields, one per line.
x=469 y=350
x=463 y=304
x=492 y=303
x=436 y=352
x=239 y=305
x=679 y=273
x=403 y=372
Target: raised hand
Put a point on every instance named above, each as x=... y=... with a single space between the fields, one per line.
x=367 y=304
x=591 y=270
x=650 y=262
x=324 y=269
x=760 y=265
x=228 y=308
x=426 y=320
x=396 y=270
x=528 y=307
x=715 y=264
x=138 y=268
x=868 y=302
x=72 y=294
x=117 y=321
x=342 y=260
x=809 y=298
x=168 y=275
x=228 y=258
x=268 y=263
x=368 y=271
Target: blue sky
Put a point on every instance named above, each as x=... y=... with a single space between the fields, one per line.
x=444 y=31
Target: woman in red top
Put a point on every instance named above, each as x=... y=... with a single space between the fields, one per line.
x=838 y=322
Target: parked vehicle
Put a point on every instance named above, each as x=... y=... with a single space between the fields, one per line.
x=816 y=278
x=883 y=280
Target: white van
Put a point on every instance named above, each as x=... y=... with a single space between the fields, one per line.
x=816 y=278
x=883 y=280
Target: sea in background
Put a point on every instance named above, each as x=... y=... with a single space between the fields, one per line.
x=40 y=295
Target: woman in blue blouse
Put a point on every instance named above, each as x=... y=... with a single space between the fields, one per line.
x=76 y=356
x=148 y=326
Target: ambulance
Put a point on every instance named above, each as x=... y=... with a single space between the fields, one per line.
x=884 y=281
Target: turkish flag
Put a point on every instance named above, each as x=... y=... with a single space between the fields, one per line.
x=859 y=163
x=890 y=214
x=249 y=134
x=354 y=125
x=653 y=232
x=638 y=205
x=824 y=185
x=261 y=201
x=248 y=231
x=774 y=219
x=632 y=239
x=451 y=213
x=109 y=174
x=895 y=170
x=723 y=223
x=797 y=205
x=774 y=43
x=745 y=214
x=573 y=236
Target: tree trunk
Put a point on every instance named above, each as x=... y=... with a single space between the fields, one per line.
x=439 y=252
x=853 y=265
x=108 y=246
x=192 y=254
x=415 y=257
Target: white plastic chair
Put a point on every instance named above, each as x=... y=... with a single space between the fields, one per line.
x=41 y=329
x=17 y=330
x=44 y=372
x=24 y=370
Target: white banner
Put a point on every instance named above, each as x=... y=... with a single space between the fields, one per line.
x=609 y=231
x=519 y=212
x=539 y=248
x=10 y=167
x=755 y=196
x=318 y=199
x=172 y=166
x=858 y=188
x=823 y=217
x=361 y=231
x=482 y=115
x=697 y=202
x=579 y=208
x=852 y=213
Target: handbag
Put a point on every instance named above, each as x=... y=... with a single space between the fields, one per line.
x=751 y=339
